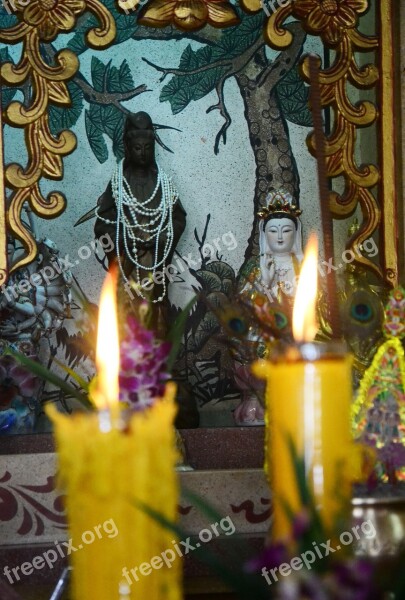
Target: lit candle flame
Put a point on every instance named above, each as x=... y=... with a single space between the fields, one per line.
x=107 y=352
x=304 y=313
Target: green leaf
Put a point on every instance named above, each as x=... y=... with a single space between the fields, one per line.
x=39 y=370
x=176 y=333
x=117 y=138
x=64 y=118
x=99 y=73
x=293 y=96
x=106 y=117
x=210 y=281
x=119 y=80
x=125 y=77
x=228 y=568
x=82 y=382
x=7 y=20
x=236 y=40
x=222 y=269
x=96 y=140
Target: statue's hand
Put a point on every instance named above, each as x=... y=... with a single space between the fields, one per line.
x=268 y=272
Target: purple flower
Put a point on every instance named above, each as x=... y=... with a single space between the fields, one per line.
x=301 y=524
x=15 y=380
x=271 y=557
x=143 y=366
x=353 y=580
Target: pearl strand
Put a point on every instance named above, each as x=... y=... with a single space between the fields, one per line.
x=156 y=226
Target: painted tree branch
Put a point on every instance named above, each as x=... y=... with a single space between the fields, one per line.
x=105 y=97
x=221 y=106
x=208 y=35
x=233 y=66
x=183 y=73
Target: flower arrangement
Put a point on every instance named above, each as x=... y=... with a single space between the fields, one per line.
x=143 y=366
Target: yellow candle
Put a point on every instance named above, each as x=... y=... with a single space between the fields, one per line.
x=110 y=463
x=307 y=400
x=104 y=475
x=308 y=397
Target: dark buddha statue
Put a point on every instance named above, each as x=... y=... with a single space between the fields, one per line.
x=141 y=210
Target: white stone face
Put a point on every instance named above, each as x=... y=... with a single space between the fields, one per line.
x=280 y=234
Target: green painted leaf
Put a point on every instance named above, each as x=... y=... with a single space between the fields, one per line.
x=125 y=77
x=64 y=118
x=108 y=78
x=207 y=83
x=236 y=40
x=95 y=137
x=7 y=19
x=210 y=281
x=118 y=143
x=99 y=73
x=293 y=96
x=189 y=59
x=180 y=91
x=106 y=117
x=222 y=269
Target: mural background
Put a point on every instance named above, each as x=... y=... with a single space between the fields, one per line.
x=222 y=176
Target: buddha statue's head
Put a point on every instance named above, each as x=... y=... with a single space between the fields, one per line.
x=280 y=228
x=139 y=139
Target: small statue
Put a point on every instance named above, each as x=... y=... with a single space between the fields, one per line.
x=280 y=243
x=271 y=279
x=37 y=298
x=141 y=211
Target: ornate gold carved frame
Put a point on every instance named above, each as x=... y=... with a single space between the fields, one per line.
x=334 y=21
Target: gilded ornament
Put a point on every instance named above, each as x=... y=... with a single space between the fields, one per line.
x=50 y=17
x=329 y=18
x=188 y=14
x=41 y=21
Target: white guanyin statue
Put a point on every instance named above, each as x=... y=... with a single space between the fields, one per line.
x=280 y=242
x=274 y=274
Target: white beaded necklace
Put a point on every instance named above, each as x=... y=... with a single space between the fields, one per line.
x=160 y=221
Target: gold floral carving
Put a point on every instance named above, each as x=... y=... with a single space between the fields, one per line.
x=188 y=14
x=41 y=21
x=336 y=21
